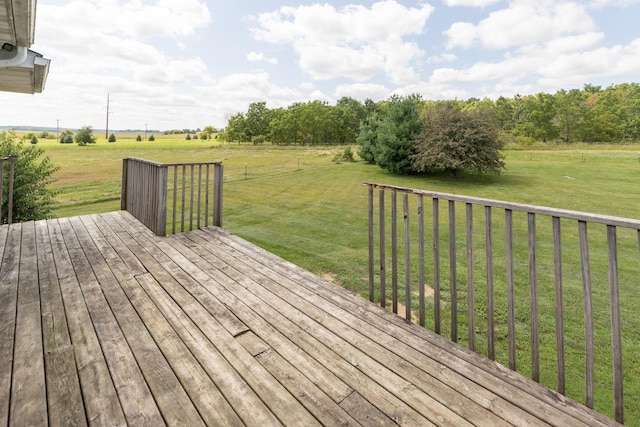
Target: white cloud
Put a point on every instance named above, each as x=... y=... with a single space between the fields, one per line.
x=565 y=62
x=430 y=90
x=128 y=19
x=362 y=91
x=259 y=57
x=354 y=42
x=318 y=95
x=250 y=87
x=443 y=57
x=523 y=22
x=470 y=3
x=596 y=4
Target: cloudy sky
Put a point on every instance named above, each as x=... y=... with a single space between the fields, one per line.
x=190 y=63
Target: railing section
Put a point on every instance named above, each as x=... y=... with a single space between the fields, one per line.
x=183 y=195
x=524 y=285
x=7 y=167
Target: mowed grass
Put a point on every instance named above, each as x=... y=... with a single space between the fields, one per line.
x=299 y=204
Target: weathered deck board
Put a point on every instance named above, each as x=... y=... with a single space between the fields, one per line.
x=105 y=323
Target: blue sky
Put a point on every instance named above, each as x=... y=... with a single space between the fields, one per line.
x=190 y=63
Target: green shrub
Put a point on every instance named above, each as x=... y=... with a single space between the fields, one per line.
x=32 y=199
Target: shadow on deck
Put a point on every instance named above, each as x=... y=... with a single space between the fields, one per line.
x=105 y=323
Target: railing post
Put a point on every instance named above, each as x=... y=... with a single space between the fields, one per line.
x=123 y=185
x=161 y=215
x=371 y=254
x=12 y=163
x=616 y=336
x=218 y=179
x=2 y=160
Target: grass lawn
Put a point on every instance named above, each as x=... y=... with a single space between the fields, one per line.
x=297 y=203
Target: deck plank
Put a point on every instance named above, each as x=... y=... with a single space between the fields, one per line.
x=531 y=398
x=171 y=399
x=105 y=323
x=211 y=405
x=311 y=340
x=28 y=392
x=370 y=355
x=64 y=398
x=98 y=392
x=274 y=396
x=135 y=397
x=8 y=304
x=177 y=305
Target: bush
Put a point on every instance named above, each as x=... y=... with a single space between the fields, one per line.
x=66 y=137
x=85 y=136
x=152 y=138
x=188 y=138
x=112 y=138
x=345 y=156
x=32 y=198
x=258 y=139
x=138 y=138
x=34 y=140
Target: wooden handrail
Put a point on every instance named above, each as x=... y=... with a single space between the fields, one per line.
x=146 y=193
x=532 y=267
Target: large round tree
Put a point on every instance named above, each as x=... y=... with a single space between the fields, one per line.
x=456 y=140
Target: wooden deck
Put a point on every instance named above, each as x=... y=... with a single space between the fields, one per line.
x=103 y=323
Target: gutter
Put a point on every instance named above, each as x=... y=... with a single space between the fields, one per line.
x=17 y=60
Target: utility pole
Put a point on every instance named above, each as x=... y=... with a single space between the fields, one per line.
x=106 y=134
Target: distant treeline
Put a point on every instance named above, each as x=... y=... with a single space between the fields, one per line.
x=590 y=115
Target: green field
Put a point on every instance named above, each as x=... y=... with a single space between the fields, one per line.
x=299 y=204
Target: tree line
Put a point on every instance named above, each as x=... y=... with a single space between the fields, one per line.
x=592 y=114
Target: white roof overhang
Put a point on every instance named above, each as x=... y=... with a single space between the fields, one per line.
x=21 y=70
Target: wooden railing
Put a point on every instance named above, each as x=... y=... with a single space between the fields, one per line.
x=8 y=163
x=185 y=195
x=489 y=280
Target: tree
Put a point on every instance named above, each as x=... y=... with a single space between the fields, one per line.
x=188 y=138
x=368 y=138
x=236 y=128
x=85 y=136
x=397 y=134
x=138 y=138
x=257 y=120
x=209 y=131
x=34 y=140
x=152 y=138
x=32 y=199
x=571 y=113
x=542 y=110
x=456 y=141
x=112 y=138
